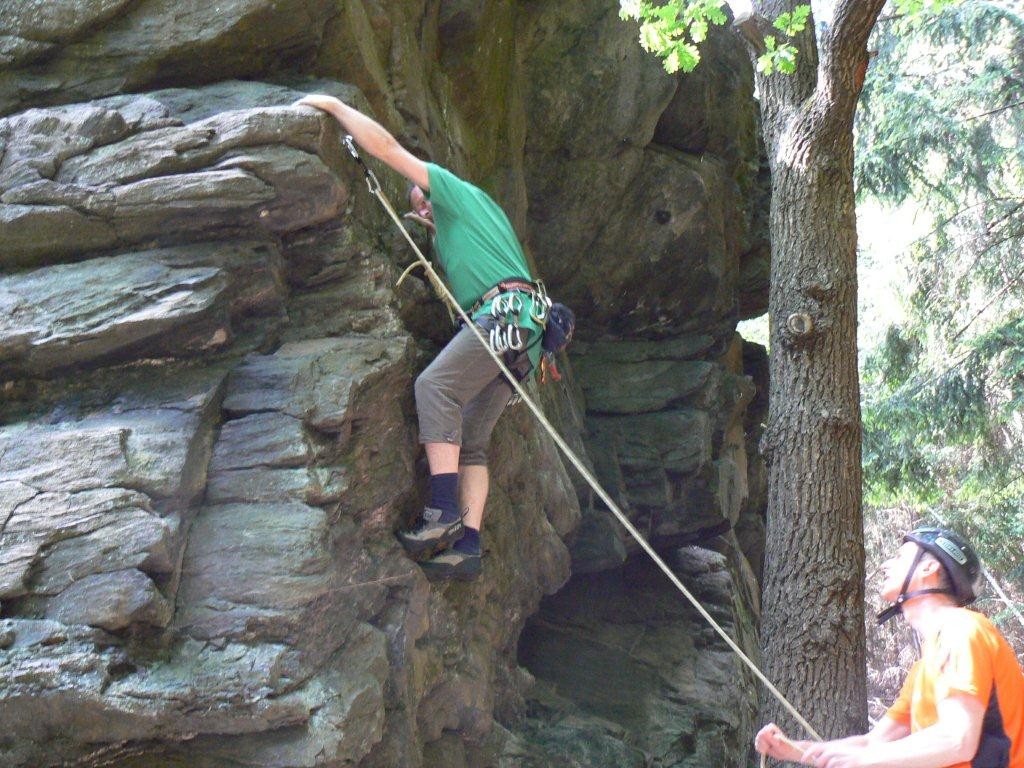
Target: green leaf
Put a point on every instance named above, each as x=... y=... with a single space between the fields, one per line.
x=672 y=61
x=683 y=57
x=794 y=22
x=699 y=31
x=652 y=38
x=673 y=30
x=785 y=60
x=689 y=57
x=667 y=14
x=717 y=16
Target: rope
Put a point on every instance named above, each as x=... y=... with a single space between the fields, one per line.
x=375 y=190
x=435 y=281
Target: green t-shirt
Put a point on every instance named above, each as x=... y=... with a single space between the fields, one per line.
x=476 y=246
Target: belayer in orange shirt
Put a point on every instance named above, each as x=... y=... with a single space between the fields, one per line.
x=962 y=704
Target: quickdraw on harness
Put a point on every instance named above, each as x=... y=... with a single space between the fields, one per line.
x=507 y=305
x=503 y=322
x=507 y=335
x=585 y=472
x=557 y=322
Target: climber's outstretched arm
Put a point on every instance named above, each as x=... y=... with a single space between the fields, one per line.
x=372 y=137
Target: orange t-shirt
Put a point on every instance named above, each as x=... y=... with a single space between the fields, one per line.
x=970 y=656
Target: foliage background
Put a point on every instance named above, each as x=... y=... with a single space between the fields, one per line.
x=940 y=132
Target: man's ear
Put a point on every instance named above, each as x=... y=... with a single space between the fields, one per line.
x=929 y=566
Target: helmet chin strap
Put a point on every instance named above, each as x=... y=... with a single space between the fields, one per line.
x=897 y=607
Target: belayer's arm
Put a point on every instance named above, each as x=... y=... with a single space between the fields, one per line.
x=372 y=137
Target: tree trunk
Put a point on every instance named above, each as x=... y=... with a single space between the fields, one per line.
x=813 y=603
x=813 y=616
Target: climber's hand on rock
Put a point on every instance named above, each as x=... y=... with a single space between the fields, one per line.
x=319 y=101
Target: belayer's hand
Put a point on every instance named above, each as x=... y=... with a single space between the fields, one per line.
x=833 y=754
x=771 y=741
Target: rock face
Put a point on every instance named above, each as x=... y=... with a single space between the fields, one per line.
x=207 y=434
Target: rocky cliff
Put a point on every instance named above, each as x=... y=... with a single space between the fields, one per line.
x=208 y=436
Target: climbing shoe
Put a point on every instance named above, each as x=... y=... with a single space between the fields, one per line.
x=431 y=534
x=452 y=564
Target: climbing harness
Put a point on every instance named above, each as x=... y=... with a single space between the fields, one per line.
x=502 y=323
x=515 y=285
x=375 y=189
x=506 y=336
x=557 y=321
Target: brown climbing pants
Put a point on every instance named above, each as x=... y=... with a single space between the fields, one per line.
x=461 y=394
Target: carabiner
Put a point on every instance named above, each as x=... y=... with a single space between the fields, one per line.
x=514 y=338
x=371 y=178
x=541 y=308
x=507 y=304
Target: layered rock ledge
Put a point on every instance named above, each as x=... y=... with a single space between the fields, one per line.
x=207 y=432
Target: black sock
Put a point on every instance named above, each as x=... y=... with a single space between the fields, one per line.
x=469 y=544
x=444 y=495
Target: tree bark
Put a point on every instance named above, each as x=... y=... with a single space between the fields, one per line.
x=813 y=597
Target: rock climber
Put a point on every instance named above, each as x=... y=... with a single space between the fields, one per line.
x=461 y=394
x=962 y=703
